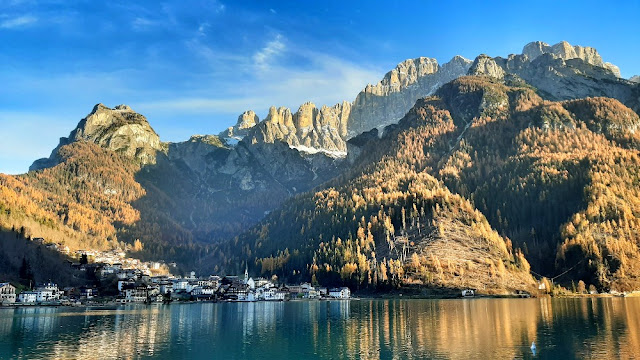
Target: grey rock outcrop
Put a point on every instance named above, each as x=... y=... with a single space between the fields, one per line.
x=119 y=129
x=246 y=121
x=560 y=71
x=635 y=79
x=389 y=100
x=486 y=65
x=566 y=51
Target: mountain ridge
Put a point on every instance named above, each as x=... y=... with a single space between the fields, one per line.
x=385 y=102
x=188 y=201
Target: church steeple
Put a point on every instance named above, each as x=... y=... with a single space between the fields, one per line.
x=246 y=274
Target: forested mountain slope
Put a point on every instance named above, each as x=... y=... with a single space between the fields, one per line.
x=556 y=178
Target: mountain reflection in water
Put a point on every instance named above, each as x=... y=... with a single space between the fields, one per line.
x=366 y=329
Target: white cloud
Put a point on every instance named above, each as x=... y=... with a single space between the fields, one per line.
x=327 y=80
x=18 y=22
x=265 y=56
x=202 y=29
x=141 y=23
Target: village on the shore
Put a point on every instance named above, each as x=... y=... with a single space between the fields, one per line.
x=151 y=282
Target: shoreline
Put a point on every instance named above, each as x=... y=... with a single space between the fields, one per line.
x=116 y=304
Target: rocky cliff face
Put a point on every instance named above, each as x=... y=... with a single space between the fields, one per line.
x=326 y=129
x=559 y=71
x=119 y=129
x=487 y=66
x=566 y=51
x=309 y=129
x=389 y=100
x=635 y=79
x=246 y=121
x=212 y=191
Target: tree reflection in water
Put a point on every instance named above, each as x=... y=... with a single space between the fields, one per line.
x=366 y=329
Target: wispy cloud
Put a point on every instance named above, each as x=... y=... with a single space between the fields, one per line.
x=141 y=23
x=324 y=80
x=18 y=22
x=264 y=57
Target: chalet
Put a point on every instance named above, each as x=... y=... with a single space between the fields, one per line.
x=340 y=293
x=7 y=293
x=237 y=292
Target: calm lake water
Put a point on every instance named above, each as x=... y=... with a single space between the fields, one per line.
x=366 y=329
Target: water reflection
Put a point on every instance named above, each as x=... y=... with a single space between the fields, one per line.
x=376 y=329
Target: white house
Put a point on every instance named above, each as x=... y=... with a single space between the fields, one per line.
x=309 y=292
x=136 y=294
x=203 y=291
x=180 y=284
x=7 y=293
x=340 y=293
x=125 y=283
x=27 y=297
x=47 y=292
x=271 y=294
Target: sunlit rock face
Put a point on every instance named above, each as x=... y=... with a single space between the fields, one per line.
x=246 y=121
x=485 y=65
x=389 y=100
x=309 y=129
x=566 y=51
x=119 y=129
x=561 y=71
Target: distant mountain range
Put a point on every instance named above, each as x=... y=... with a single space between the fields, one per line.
x=461 y=175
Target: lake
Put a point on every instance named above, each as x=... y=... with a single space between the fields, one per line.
x=357 y=329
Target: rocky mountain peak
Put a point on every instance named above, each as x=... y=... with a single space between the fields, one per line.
x=246 y=120
x=122 y=107
x=566 y=51
x=486 y=65
x=309 y=129
x=635 y=78
x=119 y=129
x=405 y=73
x=280 y=116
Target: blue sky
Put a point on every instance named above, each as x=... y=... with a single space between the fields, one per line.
x=192 y=66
